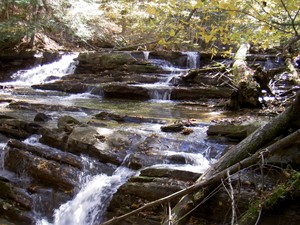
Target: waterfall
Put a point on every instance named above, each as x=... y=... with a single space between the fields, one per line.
x=146 y=55
x=2 y=146
x=41 y=74
x=192 y=60
x=160 y=94
x=89 y=205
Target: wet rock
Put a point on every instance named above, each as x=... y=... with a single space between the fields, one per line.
x=61 y=85
x=67 y=123
x=170 y=173
x=109 y=116
x=42 y=107
x=10 y=210
x=231 y=131
x=41 y=117
x=151 y=185
x=92 y=141
x=8 y=191
x=176 y=127
x=127 y=119
x=93 y=62
x=49 y=154
x=55 y=138
x=17 y=128
x=196 y=93
x=48 y=172
x=187 y=131
x=121 y=90
x=176 y=57
x=84 y=139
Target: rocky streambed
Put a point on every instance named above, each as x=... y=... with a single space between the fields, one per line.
x=122 y=129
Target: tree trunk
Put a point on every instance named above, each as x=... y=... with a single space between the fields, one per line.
x=248 y=89
x=248 y=146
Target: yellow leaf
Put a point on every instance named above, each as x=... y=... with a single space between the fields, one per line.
x=172 y=33
x=162 y=41
x=207 y=38
x=151 y=10
x=199 y=4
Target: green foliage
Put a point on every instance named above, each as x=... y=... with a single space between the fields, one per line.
x=269 y=201
x=212 y=24
x=17 y=19
x=217 y=25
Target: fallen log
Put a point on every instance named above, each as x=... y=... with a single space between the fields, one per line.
x=216 y=178
x=248 y=91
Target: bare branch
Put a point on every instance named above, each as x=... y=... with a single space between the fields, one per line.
x=271 y=24
x=290 y=16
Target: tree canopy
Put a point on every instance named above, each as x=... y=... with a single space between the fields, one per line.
x=172 y=24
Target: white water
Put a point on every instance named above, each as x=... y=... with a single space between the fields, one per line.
x=146 y=55
x=162 y=90
x=89 y=205
x=195 y=162
x=40 y=74
x=192 y=60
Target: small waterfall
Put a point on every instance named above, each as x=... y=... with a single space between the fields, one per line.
x=146 y=55
x=160 y=94
x=2 y=146
x=89 y=205
x=41 y=74
x=192 y=60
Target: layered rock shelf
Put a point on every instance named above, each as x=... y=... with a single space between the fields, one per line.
x=54 y=145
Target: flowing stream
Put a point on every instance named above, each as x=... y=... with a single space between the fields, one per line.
x=88 y=206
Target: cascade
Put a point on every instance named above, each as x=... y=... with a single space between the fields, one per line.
x=160 y=94
x=192 y=60
x=146 y=55
x=41 y=74
x=90 y=203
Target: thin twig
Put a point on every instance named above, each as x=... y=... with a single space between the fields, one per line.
x=259 y=215
x=170 y=213
x=233 y=219
x=290 y=16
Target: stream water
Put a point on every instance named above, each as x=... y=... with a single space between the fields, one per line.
x=88 y=206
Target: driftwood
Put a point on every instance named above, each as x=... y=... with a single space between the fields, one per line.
x=216 y=178
x=248 y=146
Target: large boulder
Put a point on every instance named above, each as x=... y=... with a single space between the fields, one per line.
x=93 y=62
x=92 y=141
